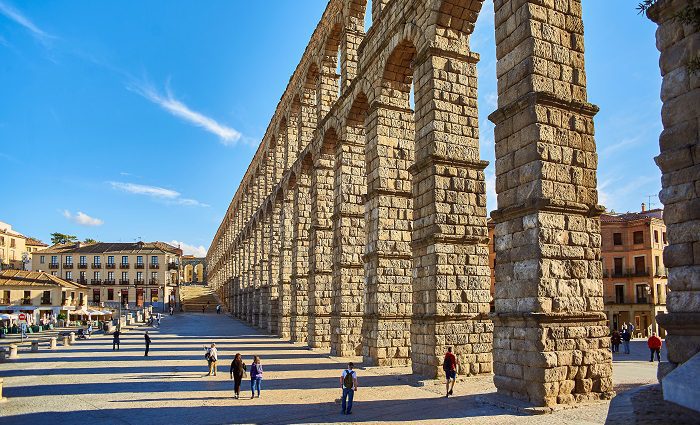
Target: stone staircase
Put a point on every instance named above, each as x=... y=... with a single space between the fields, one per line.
x=196 y=297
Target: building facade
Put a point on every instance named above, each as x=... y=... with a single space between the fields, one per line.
x=12 y=248
x=32 y=245
x=133 y=274
x=39 y=294
x=634 y=275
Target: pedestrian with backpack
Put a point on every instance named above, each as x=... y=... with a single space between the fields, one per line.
x=449 y=365
x=211 y=355
x=256 y=374
x=348 y=382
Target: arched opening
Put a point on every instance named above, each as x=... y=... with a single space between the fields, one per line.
x=198 y=273
x=309 y=108
x=188 y=273
x=331 y=71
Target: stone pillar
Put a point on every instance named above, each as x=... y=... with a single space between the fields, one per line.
x=320 y=246
x=66 y=341
x=257 y=269
x=264 y=271
x=388 y=215
x=300 y=258
x=679 y=162
x=13 y=352
x=273 y=229
x=52 y=343
x=452 y=277
x=286 y=231
x=551 y=342
x=348 y=243
x=2 y=399
x=248 y=280
x=71 y=337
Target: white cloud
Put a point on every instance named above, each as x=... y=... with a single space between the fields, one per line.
x=167 y=195
x=187 y=249
x=22 y=20
x=227 y=135
x=82 y=219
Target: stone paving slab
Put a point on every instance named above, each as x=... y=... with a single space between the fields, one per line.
x=90 y=383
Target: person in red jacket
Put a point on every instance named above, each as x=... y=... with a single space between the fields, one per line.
x=654 y=343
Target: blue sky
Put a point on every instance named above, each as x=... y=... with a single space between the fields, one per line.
x=129 y=120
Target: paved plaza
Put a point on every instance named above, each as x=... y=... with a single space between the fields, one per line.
x=90 y=383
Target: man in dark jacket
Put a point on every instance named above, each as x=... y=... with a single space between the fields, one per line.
x=148 y=342
x=115 y=339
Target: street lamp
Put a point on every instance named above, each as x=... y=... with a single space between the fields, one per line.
x=119 y=319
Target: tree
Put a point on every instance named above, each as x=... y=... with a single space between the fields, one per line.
x=62 y=238
x=90 y=240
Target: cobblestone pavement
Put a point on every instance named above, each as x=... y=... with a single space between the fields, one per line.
x=89 y=383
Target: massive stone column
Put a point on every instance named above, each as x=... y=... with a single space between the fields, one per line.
x=679 y=162
x=274 y=268
x=551 y=342
x=388 y=215
x=320 y=246
x=286 y=227
x=264 y=271
x=349 y=240
x=452 y=278
x=300 y=258
x=256 y=272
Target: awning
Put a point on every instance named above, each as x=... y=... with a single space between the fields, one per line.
x=18 y=308
x=5 y=316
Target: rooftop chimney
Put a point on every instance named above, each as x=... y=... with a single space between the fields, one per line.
x=644 y=207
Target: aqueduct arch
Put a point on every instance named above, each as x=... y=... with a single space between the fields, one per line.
x=360 y=225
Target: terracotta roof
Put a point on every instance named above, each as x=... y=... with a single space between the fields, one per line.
x=632 y=216
x=111 y=247
x=34 y=242
x=32 y=278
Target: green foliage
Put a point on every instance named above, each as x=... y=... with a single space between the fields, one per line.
x=643 y=6
x=61 y=316
x=62 y=238
x=90 y=240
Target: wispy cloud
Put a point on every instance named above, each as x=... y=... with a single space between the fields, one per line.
x=187 y=249
x=17 y=16
x=621 y=145
x=491 y=197
x=82 y=219
x=167 y=101
x=168 y=195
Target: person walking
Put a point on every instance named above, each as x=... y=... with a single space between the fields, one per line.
x=256 y=374
x=615 y=339
x=218 y=309
x=148 y=342
x=449 y=365
x=115 y=339
x=212 y=357
x=171 y=309
x=654 y=343
x=237 y=371
x=626 y=337
x=348 y=382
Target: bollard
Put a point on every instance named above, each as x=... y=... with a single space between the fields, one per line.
x=35 y=345
x=66 y=340
x=1 y=397
x=72 y=338
x=52 y=343
x=13 y=352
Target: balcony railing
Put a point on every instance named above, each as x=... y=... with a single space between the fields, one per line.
x=26 y=301
x=644 y=300
x=109 y=282
x=96 y=281
x=138 y=281
x=123 y=281
x=4 y=301
x=626 y=272
x=68 y=265
x=110 y=265
x=45 y=301
x=82 y=266
x=124 y=265
x=638 y=272
x=172 y=266
x=152 y=281
x=53 y=265
x=82 y=280
x=154 y=265
x=139 y=266
x=96 y=265
x=660 y=272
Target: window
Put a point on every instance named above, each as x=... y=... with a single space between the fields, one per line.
x=617 y=238
x=638 y=237
x=139 y=276
x=641 y=291
x=620 y=293
x=12 y=243
x=96 y=259
x=125 y=275
x=640 y=266
x=63 y=297
x=154 y=275
x=154 y=259
x=69 y=259
x=69 y=275
x=96 y=275
x=660 y=298
x=125 y=296
x=110 y=294
x=83 y=260
x=5 y=297
x=54 y=273
x=125 y=259
x=110 y=259
x=110 y=275
x=656 y=236
x=42 y=260
x=139 y=259
x=46 y=297
x=82 y=276
x=657 y=265
x=27 y=298
x=663 y=236
x=81 y=298
x=54 y=259
x=617 y=266
x=154 y=295
x=96 y=295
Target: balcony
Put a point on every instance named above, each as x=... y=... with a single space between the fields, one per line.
x=173 y=266
x=4 y=301
x=109 y=282
x=53 y=265
x=82 y=281
x=124 y=265
x=96 y=265
x=637 y=272
x=45 y=301
x=123 y=281
x=26 y=301
x=660 y=272
x=68 y=265
x=154 y=266
x=138 y=281
x=617 y=273
x=139 y=266
x=110 y=266
x=96 y=281
x=153 y=281
x=82 y=266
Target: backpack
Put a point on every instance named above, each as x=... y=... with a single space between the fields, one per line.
x=207 y=355
x=347 y=381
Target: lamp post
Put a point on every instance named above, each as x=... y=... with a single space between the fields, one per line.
x=119 y=319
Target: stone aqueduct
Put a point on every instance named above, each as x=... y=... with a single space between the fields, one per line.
x=360 y=225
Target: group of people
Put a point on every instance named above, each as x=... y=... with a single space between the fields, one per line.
x=653 y=342
x=238 y=371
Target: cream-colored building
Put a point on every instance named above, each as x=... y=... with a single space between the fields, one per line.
x=134 y=274
x=39 y=294
x=32 y=245
x=12 y=246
